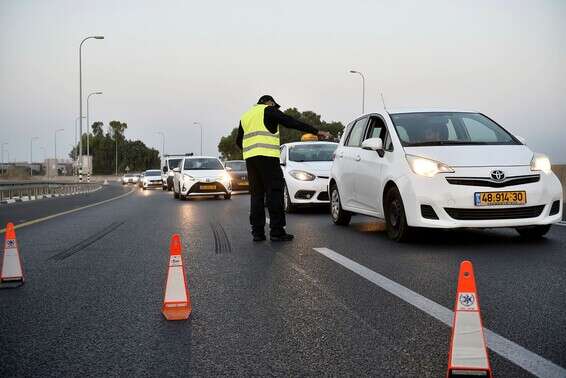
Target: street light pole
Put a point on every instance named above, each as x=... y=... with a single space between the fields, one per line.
x=55 y=150
x=162 y=143
x=88 y=121
x=31 y=155
x=2 y=148
x=81 y=103
x=363 y=88
x=198 y=123
x=75 y=146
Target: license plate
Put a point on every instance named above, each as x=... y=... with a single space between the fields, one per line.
x=208 y=187
x=244 y=183
x=500 y=198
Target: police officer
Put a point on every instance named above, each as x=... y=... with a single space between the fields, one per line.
x=258 y=138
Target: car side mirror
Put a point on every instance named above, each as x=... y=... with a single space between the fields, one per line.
x=374 y=144
x=178 y=170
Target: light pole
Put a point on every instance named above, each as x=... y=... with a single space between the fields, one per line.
x=31 y=155
x=88 y=121
x=81 y=102
x=2 y=148
x=363 y=88
x=162 y=143
x=75 y=146
x=198 y=123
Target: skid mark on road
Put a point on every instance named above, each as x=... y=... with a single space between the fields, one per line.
x=85 y=243
x=221 y=242
x=513 y=352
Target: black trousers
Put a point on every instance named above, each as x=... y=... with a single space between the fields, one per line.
x=266 y=180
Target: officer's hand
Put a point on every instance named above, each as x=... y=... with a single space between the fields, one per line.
x=324 y=134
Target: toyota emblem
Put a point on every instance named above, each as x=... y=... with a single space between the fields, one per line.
x=497 y=175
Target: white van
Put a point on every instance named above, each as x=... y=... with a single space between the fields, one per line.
x=168 y=163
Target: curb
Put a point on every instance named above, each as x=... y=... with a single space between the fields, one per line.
x=33 y=198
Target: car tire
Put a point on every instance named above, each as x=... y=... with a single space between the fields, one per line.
x=287 y=204
x=143 y=188
x=339 y=216
x=395 y=218
x=533 y=232
x=164 y=188
x=227 y=196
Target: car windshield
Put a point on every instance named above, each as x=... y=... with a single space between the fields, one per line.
x=153 y=172
x=312 y=152
x=449 y=128
x=236 y=165
x=129 y=175
x=202 y=164
x=174 y=163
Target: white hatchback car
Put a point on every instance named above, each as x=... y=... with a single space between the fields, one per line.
x=306 y=169
x=441 y=169
x=201 y=176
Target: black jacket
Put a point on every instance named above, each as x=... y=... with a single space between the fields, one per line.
x=273 y=117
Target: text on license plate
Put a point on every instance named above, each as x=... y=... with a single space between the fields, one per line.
x=500 y=198
x=208 y=187
x=244 y=183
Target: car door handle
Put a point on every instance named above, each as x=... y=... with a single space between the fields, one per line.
x=358 y=158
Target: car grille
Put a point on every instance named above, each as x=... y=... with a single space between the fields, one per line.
x=428 y=212
x=490 y=183
x=492 y=214
x=555 y=209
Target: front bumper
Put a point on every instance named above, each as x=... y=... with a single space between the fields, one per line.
x=308 y=192
x=454 y=205
x=198 y=188
x=152 y=184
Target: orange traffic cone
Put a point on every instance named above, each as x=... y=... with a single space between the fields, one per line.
x=468 y=352
x=11 y=263
x=177 y=302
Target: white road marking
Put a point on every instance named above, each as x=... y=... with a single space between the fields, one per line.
x=513 y=352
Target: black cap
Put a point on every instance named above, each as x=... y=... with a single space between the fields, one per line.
x=263 y=99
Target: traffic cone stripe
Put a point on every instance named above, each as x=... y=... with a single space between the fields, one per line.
x=468 y=352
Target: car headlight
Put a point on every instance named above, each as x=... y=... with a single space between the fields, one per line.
x=225 y=177
x=188 y=177
x=302 y=175
x=541 y=162
x=427 y=167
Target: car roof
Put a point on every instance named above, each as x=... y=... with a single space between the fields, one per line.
x=202 y=157
x=304 y=143
x=235 y=161
x=427 y=110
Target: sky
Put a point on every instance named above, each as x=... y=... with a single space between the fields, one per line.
x=164 y=65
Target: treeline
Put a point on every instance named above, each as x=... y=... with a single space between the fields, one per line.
x=229 y=151
x=133 y=154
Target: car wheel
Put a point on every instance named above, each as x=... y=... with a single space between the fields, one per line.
x=395 y=218
x=164 y=188
x=227 y=196
x=143 y=188
x=533 y=232
x=339 y=215
x=288 y=205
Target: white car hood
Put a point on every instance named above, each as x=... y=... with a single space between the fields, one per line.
x=201 y=174
x=317 y=168
x=475 y=156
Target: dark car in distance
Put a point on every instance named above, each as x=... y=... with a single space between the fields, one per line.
x=238 y=174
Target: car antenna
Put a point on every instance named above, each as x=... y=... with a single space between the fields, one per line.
x=383 y=101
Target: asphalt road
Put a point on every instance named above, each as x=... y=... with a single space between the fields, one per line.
x=95 y=279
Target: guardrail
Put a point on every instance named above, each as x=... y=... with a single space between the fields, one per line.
x=29 y=190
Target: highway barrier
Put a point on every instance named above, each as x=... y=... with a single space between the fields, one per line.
x=24 y=191
x=177 y=302
x=468 y=353
x=11 y=263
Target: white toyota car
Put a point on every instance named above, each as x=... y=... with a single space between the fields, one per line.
x=306 y=169
x=201 y=176
x=441 y=169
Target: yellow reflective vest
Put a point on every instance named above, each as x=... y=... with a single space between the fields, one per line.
x=258 y=140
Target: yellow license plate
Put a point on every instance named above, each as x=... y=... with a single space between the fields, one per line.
x=244 y=183
x=500 y=198
x=208 y=187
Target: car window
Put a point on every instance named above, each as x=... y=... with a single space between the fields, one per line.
x=376 y=128
x=203 y=164
x=174 y=163
x=357 y=133
x=442 y=128
x=477 y=130
x=152 y=173
x=312 y=152
x=236 y=165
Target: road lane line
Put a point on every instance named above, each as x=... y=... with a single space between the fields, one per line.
x=513 y=352
x=34 y=221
